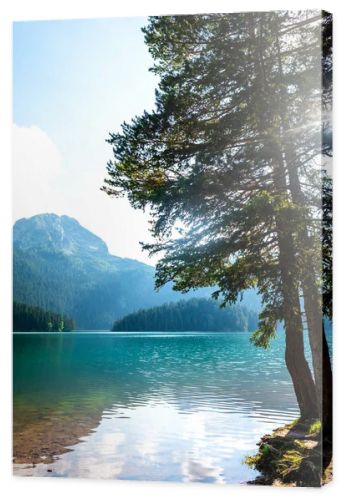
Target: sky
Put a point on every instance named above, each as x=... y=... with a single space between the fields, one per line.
x=74 y=81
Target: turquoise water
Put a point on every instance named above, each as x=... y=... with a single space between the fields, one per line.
x=169 y=407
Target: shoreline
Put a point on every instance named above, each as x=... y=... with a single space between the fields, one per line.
x=291 y=456
x=41 y=442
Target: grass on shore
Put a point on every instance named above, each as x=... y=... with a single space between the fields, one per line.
x=291 y=456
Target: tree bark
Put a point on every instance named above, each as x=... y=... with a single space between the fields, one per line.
x=327 y=420
x=314 y=313
x=296 y=362
x=312 y=300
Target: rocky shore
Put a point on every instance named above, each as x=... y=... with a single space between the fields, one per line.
x=291 y=456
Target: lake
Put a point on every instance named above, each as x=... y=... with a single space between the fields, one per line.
x=168 y=407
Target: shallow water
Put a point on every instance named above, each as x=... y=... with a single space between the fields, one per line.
x=169 y=407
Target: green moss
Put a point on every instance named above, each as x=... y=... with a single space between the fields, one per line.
x=300 y=443
x=289 y=462
x=315 y=427
x=293 y=424
x=291 y=455
x=252 y=460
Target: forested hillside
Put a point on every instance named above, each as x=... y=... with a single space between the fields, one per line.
x=59 y=265
x=28 y=318
x=190 y=315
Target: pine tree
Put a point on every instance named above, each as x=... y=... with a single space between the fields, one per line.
x=224 y=161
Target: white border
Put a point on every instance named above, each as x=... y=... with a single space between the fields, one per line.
x=32 y=488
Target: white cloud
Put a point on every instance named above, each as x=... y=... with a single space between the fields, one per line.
x=45 y=181
x=37 y=165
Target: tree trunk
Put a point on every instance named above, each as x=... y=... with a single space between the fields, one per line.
x=313 y=308
x=315 y=322
x=296 y=362
x=300 y=372
x=327 y=420
x=312 y=300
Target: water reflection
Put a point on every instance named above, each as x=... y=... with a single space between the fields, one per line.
x=170 y=407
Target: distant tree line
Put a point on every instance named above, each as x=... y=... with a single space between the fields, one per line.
x=189 y=315
x=28 y=318
x=100 y=287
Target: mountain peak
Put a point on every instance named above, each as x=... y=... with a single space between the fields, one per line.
x=56 y=233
